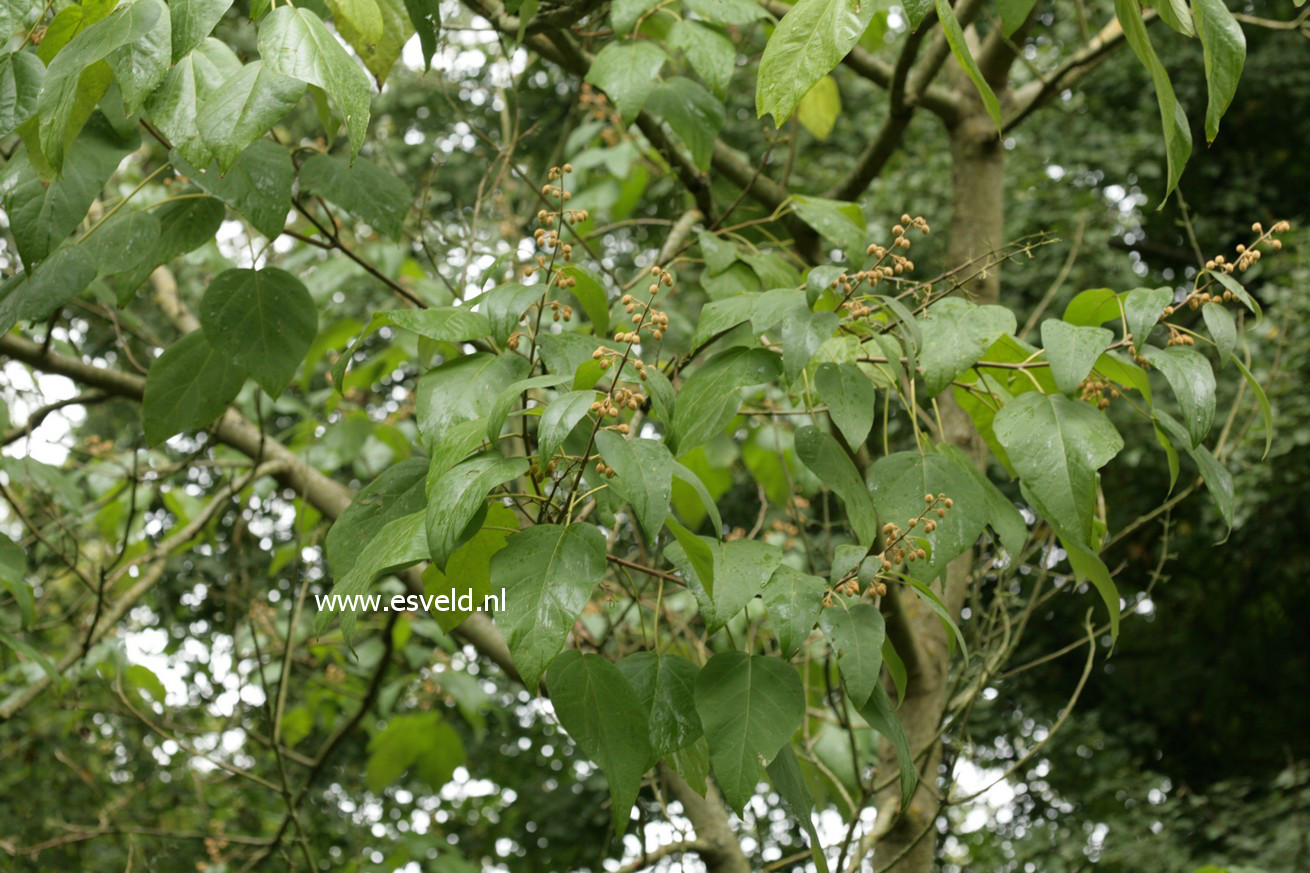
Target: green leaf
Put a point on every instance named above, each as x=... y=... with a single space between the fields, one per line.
x=643 y=476
x=1001 y=514
x=141 y=64
x=850 y=397
x=193 y=22
x=123 y=242
x=809 y=41
x=1056 y=445
x=742 y=569
x=665 y=685
x=698 y=555
x=785 y=773
x=694 y=114
x=1171 y=455
x=241 y=110
x=1224 y=46
x=42 y=215
x=418 y=740
x=1223 y=330
x=175 y=105
x=837 y=220
x=764 y=310
x=827 y=460
x=396 y=492
x=469 y=567
x=559 y=418
x=30 y=653
x=1177 y=134
x=856 y=632
x=362 y=17
x=916 y=11
x=1218 y=481
x=400 y=543
x=895 y=669
x=463 y=389
x=258 y=185
x=13 y=576
x=820 y=108
x=711 y=397
x=505 y=305
x=803 y=334
x=264 y=320
x=1014 y=13
x=126 y=25
x=956 y=333
x=693 y=480
x=188 y=387
x=711 y=54
x=296 y=43
x=1072 y=351
x=749 y=706
x=1239 y=292
x=365 y=190
x=425 y=15
x=185 y=225
x=54 y=282
x=627 y=70
x=1192 y=380
x=1142 y=310
x=590 y=292
x=899 y=483
x=1117 y=368
x=548 y=572
x=729 y=12
x=960 y=48
x=794 y=600
x=509 y=395
x=1263 y=399
x=1088 y=567
x=624 y=14
x=455 y=497
x=451 y=324
x=881 y=716
x=1175 y=14
x=929 y=597
x=605 y=717
x=22 y=76
x=1093 y=307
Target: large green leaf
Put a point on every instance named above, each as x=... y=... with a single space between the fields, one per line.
x=175 y=105
x=741 y=570
x=627 y=71
x=1056 y=445
x=242 y=109
x=184 y=225
x=42 y=215
x=469 y=567
x=827 y=460
x=749 y=707
x=1177 y=133
x=1142 y=310
x=1088 y=567
x=141 y=64
x=794 y=600
x=785 y=773
x=414 y=740
x=451 y=324
x=899 y=483
x=456 y=496
x=960 y=48
x=54 y=282
x=559 y=418
x=1072 y=351
x=126 y=25
x=837 y=220
x=22 y=76
x=665 y=685
x=123 y=242
x=1223 y=329
x=803 y=333
x=264 y=320
x=425 y=15
x=464 y=388
x=380 y=50
x=809 y=41
x=1218 y=481
x=956 y=333
x=711 y=395
x=850 y=397
x=365 y=190
x=296 y=43
x=1224 y=45
x=643 y=476
x=856 y=631
x=548 y=572
x=193 y=22
x=694 y=114
x=1002 y=516
x=398 y=544
x=188 y=387
x=258 y=185
x=881 y=716
x=397 y=491
x=711 y=54
x=1190 y=376
x=605 y=717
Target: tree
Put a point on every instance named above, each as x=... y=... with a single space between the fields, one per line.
x=749 y=501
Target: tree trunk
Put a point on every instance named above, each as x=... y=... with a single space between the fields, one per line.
x=976 y=229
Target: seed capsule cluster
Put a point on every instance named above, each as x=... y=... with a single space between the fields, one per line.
x=891 y=262
x=1248 y=256
x=898 y=551
x=1097 y=392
